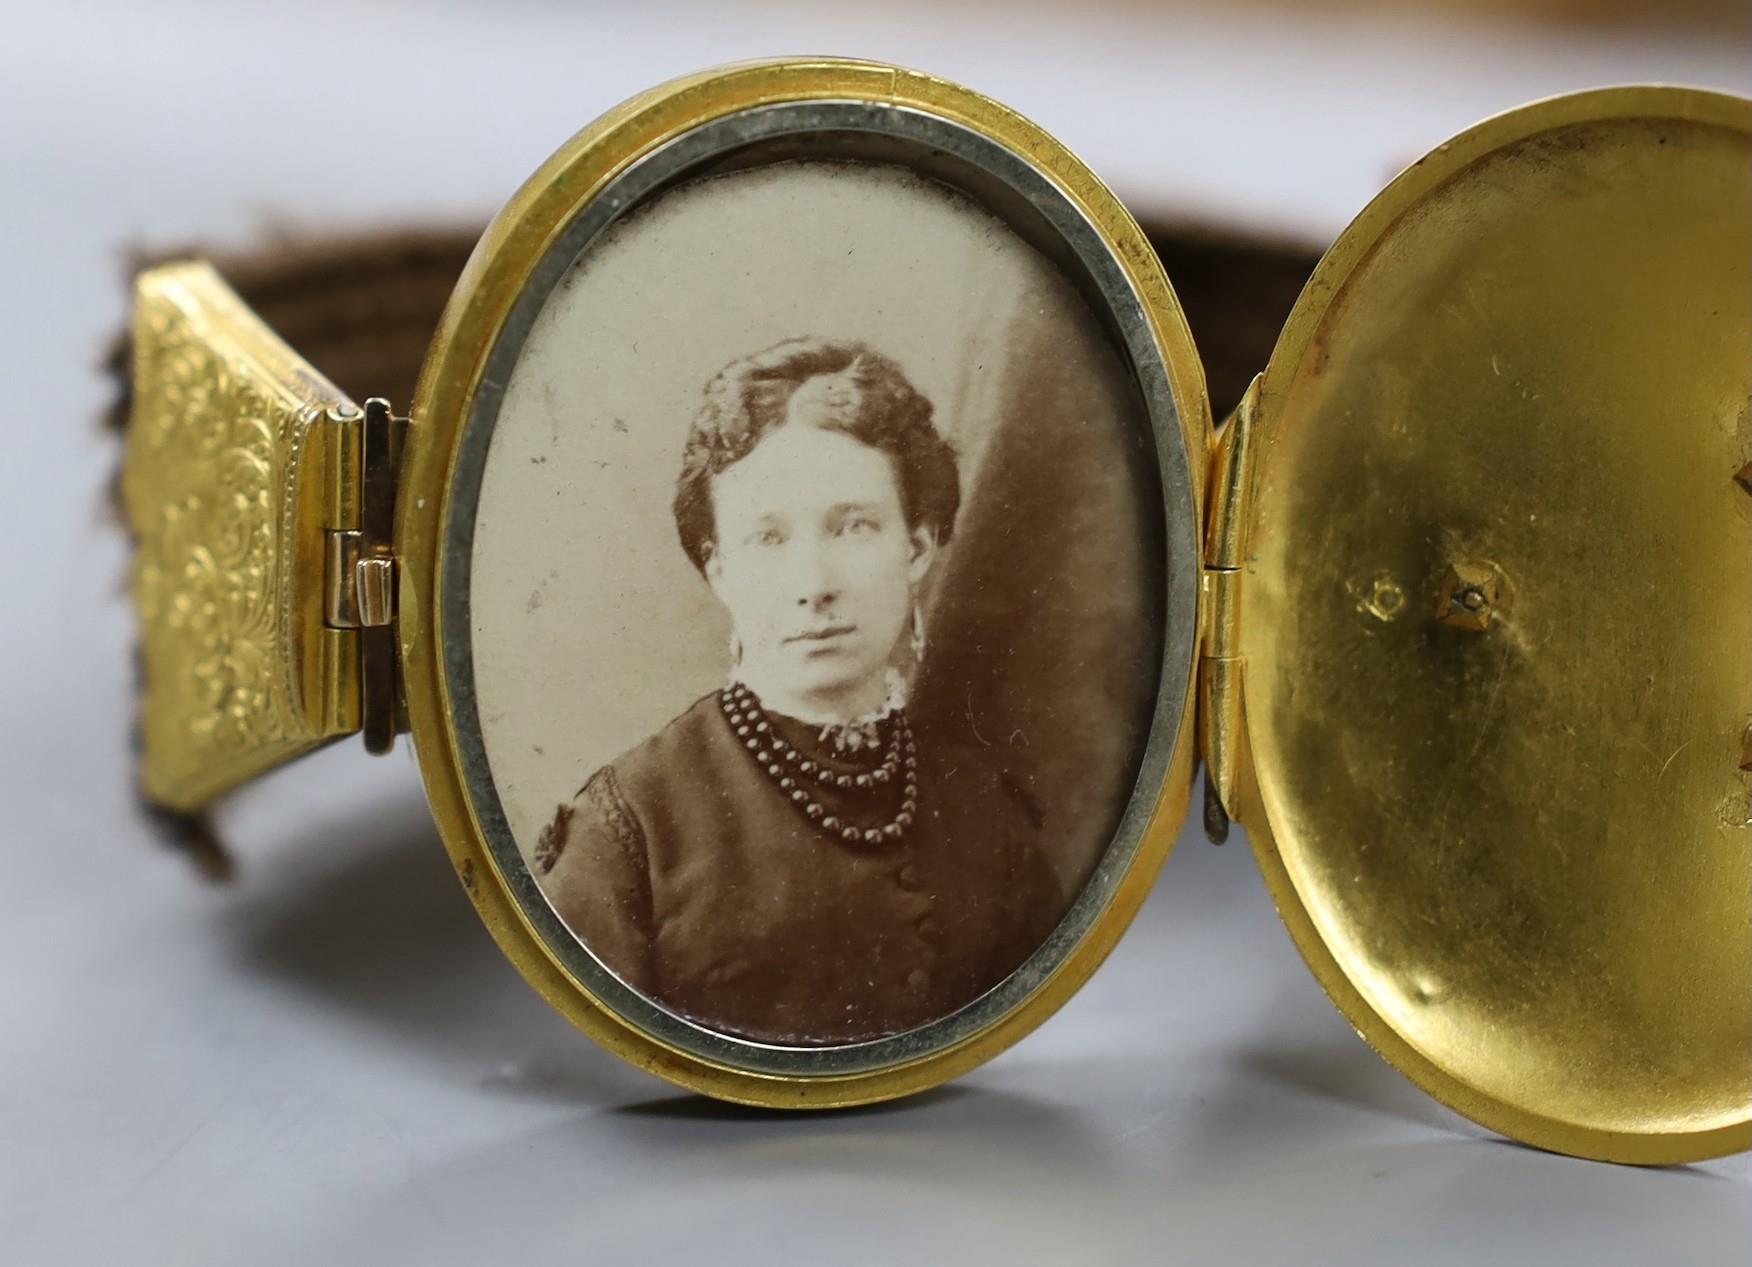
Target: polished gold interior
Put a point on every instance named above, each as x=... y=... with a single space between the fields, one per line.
x=1497 y=623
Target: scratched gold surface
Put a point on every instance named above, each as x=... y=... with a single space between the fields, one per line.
x=1519 y=858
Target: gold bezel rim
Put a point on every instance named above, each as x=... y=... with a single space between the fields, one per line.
x=1352 y=247
x=479 y=309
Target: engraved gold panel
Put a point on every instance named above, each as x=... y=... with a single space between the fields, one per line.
x=230 y=451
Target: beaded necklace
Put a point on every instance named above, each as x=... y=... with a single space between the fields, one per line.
x=795 y=773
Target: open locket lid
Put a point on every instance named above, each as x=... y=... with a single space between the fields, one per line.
x=1479 y=655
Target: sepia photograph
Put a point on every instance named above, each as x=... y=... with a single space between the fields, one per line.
x=818 y=572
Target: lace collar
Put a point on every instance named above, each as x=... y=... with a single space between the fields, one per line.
x=849 y=736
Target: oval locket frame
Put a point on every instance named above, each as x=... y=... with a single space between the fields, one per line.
x=679 y=132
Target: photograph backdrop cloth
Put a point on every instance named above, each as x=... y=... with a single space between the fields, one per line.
x=591 y=629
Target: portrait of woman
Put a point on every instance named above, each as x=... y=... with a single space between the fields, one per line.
x=816 y=594
x=790 y=857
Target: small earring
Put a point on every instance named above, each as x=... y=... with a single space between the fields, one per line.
x=918 y=635
x=735 y=650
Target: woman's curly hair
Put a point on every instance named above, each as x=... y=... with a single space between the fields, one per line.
x=750 y=396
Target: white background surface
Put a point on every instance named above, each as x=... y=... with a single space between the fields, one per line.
x=327 y=1061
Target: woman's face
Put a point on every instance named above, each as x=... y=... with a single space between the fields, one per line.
x=816 y=566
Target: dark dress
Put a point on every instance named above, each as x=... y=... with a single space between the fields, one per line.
x=685 y=869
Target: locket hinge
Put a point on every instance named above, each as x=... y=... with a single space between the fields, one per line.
x=1221 y=724
x=360 y=572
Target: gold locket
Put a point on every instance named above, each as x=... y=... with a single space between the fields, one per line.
x=1453 y=610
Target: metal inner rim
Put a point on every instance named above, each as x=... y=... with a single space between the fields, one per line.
x=935 y=138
